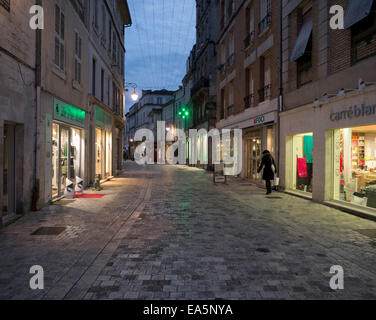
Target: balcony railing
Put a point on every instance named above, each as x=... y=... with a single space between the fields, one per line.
x=364 y=49
x=265 y=93
x=231 y=60
x=249 y=101
x=248 y=41
x=202 y=83
x=265 y=23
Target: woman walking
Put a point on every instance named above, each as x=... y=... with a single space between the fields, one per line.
x=267 y=163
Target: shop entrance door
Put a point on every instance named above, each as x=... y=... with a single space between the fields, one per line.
x=254 y=157
x=9 y=170
x=64 y=156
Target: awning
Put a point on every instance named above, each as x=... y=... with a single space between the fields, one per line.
x=302 y=41
x=357 y=11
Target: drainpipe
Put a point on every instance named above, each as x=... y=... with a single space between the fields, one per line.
x=38 y=54
x=280 y=95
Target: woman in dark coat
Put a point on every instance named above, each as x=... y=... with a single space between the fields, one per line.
x=268 y=175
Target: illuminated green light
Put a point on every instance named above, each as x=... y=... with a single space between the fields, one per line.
x=179 y=113
x=187 y=113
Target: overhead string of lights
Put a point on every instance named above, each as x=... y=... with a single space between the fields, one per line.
x=144 y=55
x=186 y=43
x=176 y=58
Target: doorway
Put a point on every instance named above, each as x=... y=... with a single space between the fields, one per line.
x=66 y=156
x=254 y=149
x=9 y=202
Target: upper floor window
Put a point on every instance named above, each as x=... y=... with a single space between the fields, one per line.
x=77 y=57
x=96 y=14
x=265 y=15
x=231 y=50
x=223 y=14
x=230 y=8
x=103 y=24
x=265 y=79
x=59 y=59
x=302 y=52
x=249 y=27
x=114 y=50
x=110 y=36
x=361 y=20
x=5 y=4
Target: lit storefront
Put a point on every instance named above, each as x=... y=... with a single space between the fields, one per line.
x=103 y=143
x=68 y=143
x=257 y=138
x=329 y=151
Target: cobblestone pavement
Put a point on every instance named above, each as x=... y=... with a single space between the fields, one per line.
x=166 y=232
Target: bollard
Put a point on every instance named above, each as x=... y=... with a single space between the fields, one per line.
x=79 y=185
x=69 y=190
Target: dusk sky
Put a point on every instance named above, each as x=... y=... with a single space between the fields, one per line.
x=158 y=43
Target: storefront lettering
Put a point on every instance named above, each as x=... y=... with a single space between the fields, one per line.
x=259 y=120
x=354 y=112
x=69 y=114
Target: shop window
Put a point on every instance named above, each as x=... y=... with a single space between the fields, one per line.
x=355 y=165
x=303 y=162
x=55 y=159
x=66 y=156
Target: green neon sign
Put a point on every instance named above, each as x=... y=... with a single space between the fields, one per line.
x=68 y=113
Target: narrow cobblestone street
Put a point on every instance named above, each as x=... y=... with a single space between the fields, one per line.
x=166 y=232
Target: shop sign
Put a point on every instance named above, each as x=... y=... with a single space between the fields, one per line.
x=102 y=119
x=354 y=112
x=69 y=114
x=259 y=120
x=262 y=119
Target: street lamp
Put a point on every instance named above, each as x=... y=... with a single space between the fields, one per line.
x=134 y=95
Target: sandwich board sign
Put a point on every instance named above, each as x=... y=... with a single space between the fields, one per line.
x=218 y=175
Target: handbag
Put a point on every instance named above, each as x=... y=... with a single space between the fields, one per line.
x=276 y=181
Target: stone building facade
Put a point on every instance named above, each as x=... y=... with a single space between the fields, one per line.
x=54 y=99
x=247 y=78
x=203 y=73
x=17 y=109
x=328 y=127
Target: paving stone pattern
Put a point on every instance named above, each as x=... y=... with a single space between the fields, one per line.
x=166 y=232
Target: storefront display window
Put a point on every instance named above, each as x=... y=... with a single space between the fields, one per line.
x=66 y=156
x=303 y=162
x=98 y=151
x=103 y=143
x=55 y=159
x=355 y=165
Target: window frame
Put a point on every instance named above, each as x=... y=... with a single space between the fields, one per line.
x=59 y=38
